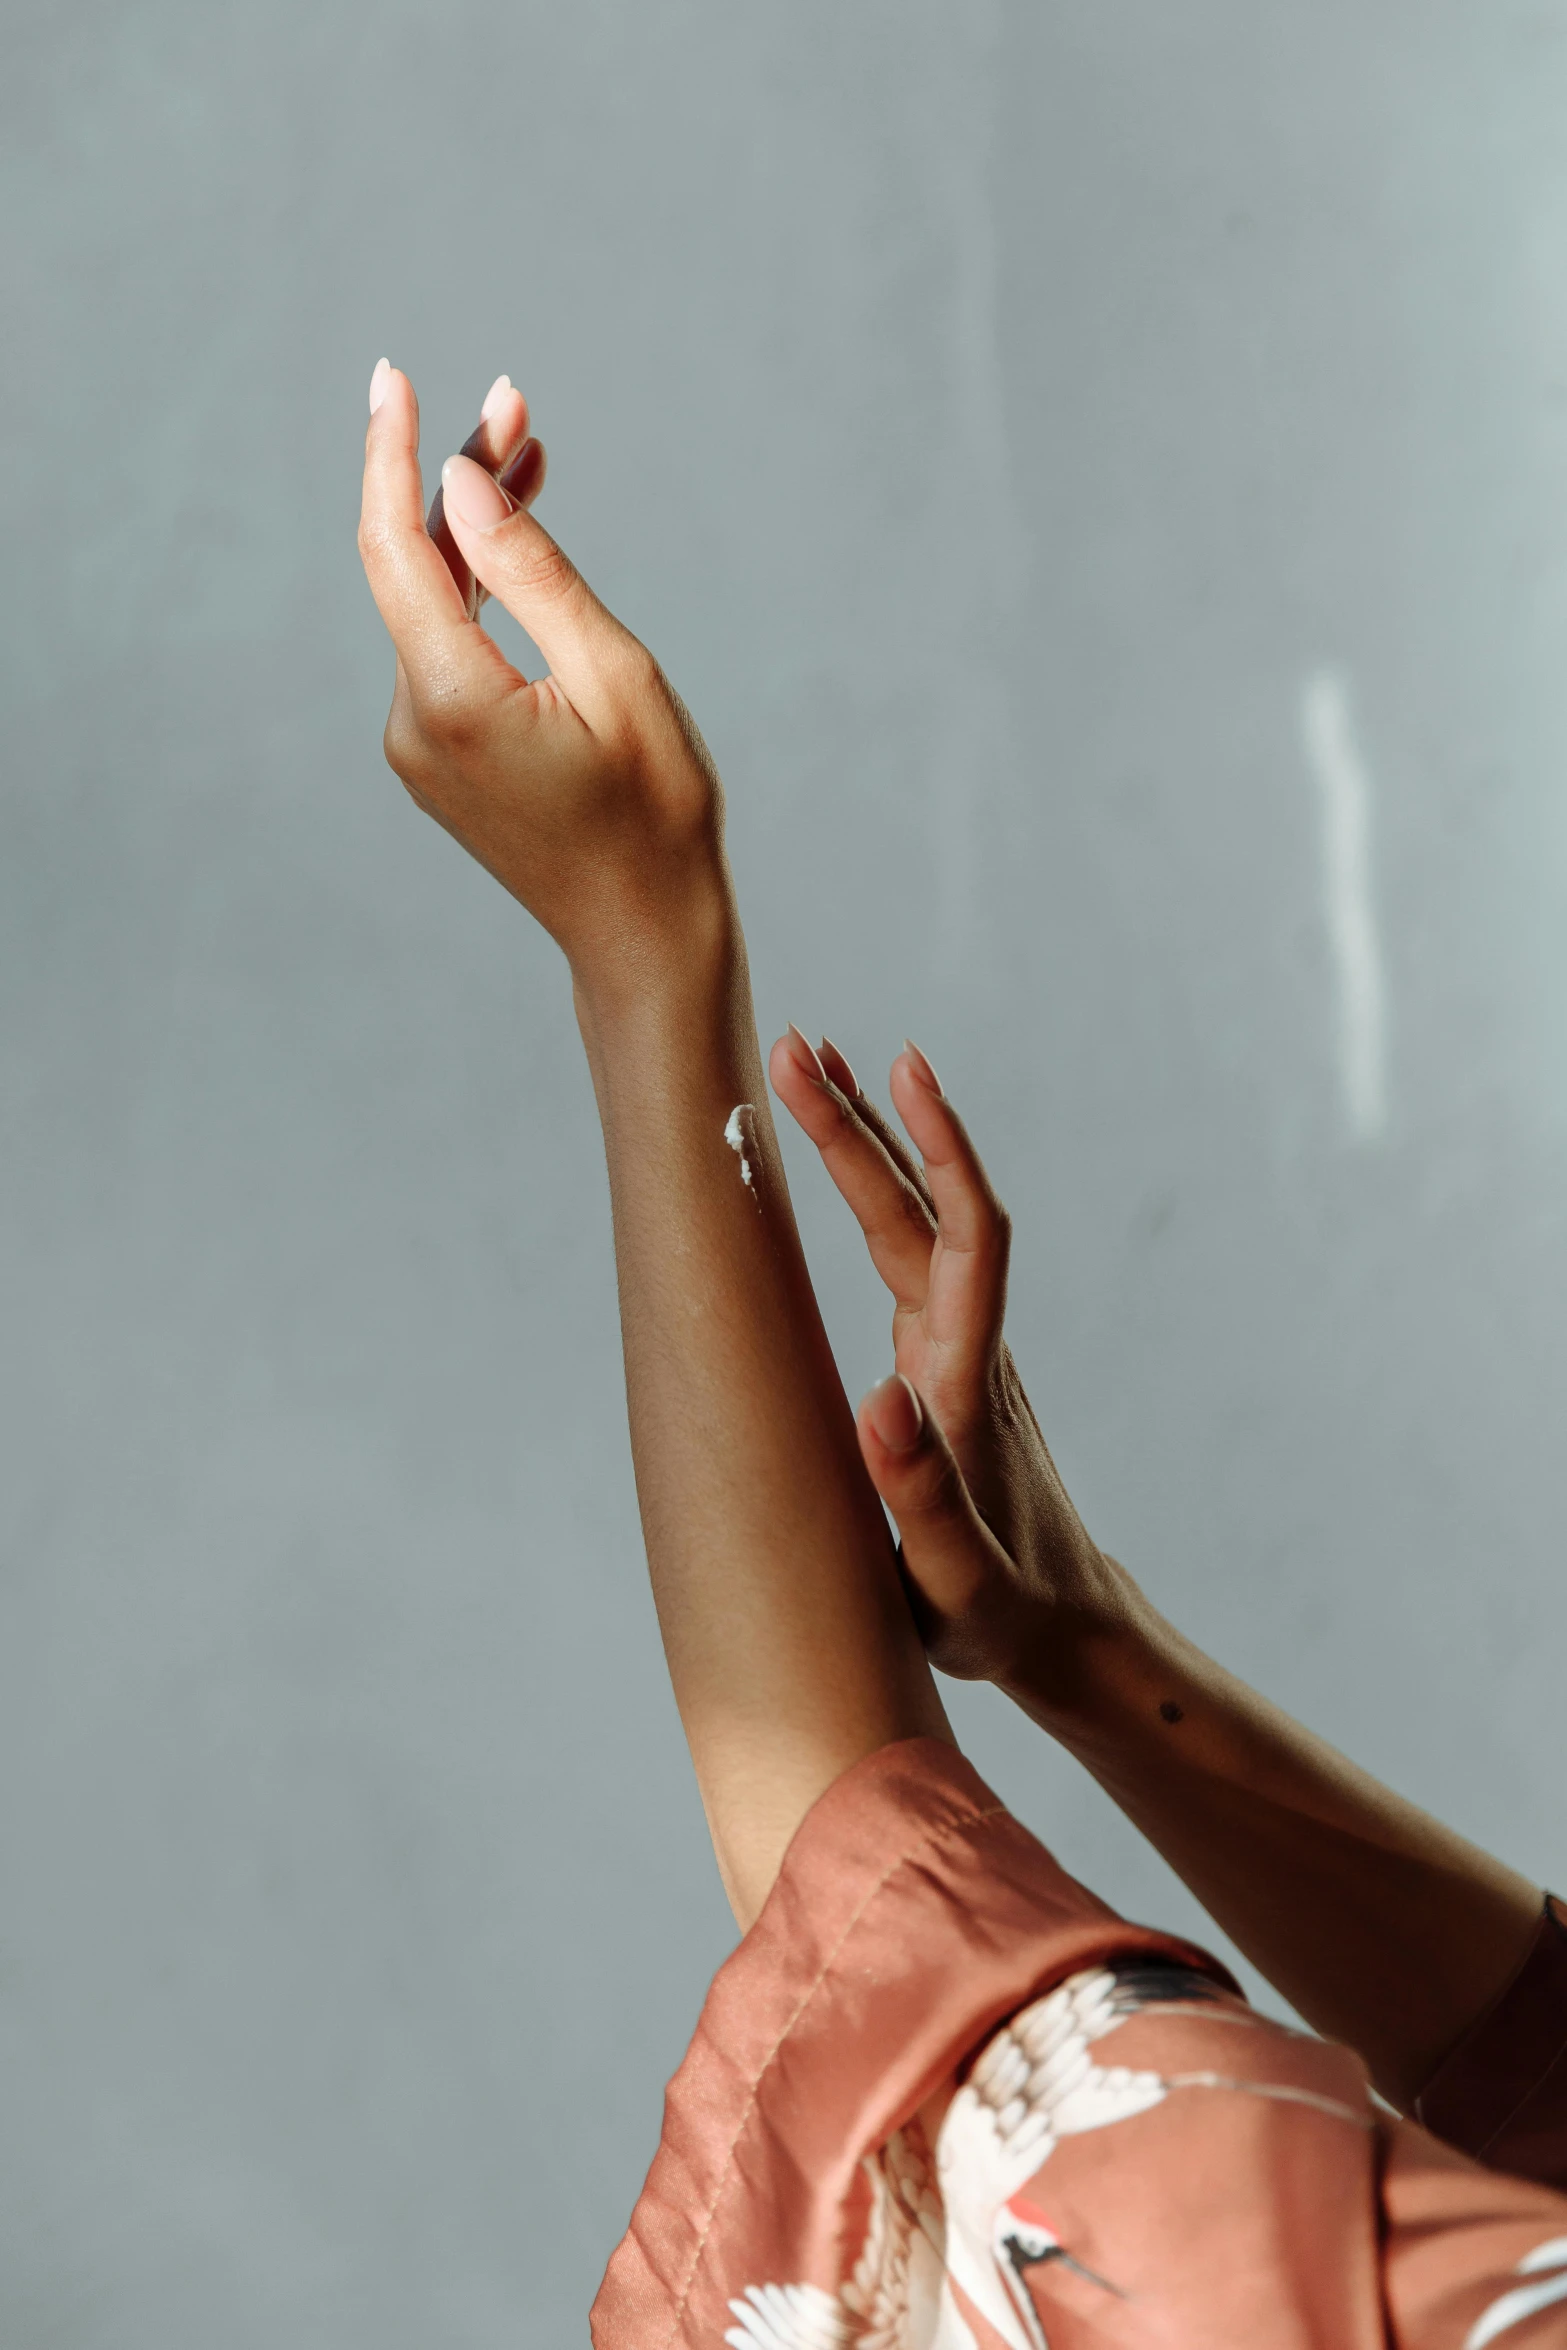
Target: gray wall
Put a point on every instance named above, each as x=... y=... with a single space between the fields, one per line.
x=1072 y=458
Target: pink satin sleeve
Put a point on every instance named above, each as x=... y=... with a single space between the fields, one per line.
x=941 y=2097
x=912 y=1913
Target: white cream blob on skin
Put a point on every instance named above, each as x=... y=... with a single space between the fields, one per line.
x=736 y=1137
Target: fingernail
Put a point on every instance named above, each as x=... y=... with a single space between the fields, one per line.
x=804 y=1055
x=380 y=378
x=473 y=495
x=921 y=1067
x=837 y=1067
x=900 y=1416
x=494 y=396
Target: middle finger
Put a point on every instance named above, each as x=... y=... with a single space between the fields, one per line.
x=892 y=1142
x=495 y=441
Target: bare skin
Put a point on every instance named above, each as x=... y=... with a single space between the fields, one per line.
x=1382 y=1927
x=590 y=796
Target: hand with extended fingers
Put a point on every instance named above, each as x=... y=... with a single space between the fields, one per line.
x=588 y=793
x=1001 y=1572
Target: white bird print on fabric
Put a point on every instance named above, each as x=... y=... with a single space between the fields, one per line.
x=790 y=2317
x=1547 y=2264
x=892 y=2301
x=896 y=2288
x=1037 y=2083
x=972 y=2226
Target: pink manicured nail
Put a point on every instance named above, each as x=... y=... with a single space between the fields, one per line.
x=474 y=496
x=494 y=396
x=898 y=1414
x=379 y=380
x=803 y=1056
x=921 y=1067
x=837 y=1067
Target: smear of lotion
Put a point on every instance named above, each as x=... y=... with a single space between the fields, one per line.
x=735 y=1136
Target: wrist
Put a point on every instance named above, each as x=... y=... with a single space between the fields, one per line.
x=654 y=956
x=1078 y=1671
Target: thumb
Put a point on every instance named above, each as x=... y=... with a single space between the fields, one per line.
x=514 y=557
x=956 y=1568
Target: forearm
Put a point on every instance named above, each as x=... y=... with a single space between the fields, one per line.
x=1382 y=1927
x=789 y=1642
x=591 y=797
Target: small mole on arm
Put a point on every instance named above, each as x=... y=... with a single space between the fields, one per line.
x=1171 y=1712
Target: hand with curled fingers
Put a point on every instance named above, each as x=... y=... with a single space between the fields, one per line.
x=1381 y=1927
x=587 y=793
x=1002 y=1575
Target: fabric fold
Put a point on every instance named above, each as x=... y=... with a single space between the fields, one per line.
x=912 y=1913
x=941 y=2097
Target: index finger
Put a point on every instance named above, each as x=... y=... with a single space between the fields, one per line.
x=415 y=593
x=494 y=442
x=842 y=1075
x=899 y=1230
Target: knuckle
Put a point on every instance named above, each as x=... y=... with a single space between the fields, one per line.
x=403 y=746
x=642 y=678
x=639 y=701
x=438 y=727
x=447 y=725
x=543 y=569
x=372 y=542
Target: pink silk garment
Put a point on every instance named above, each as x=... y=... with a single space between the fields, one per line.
x=943 y=2098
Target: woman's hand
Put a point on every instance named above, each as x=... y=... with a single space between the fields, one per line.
x=1382 y=1927
x=588 y=793
x=999 y=1565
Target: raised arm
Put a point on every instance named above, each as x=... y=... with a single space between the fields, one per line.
x=1382 y=1927
x=590 y=796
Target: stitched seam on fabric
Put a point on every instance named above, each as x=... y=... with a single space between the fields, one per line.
x=934 y=1836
